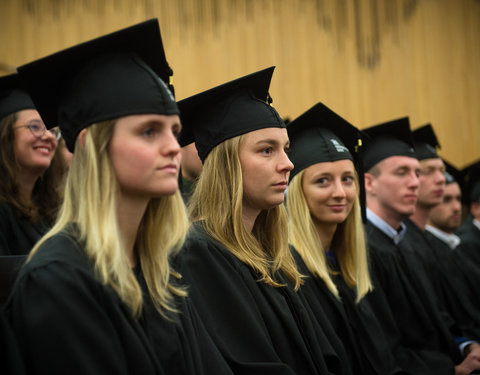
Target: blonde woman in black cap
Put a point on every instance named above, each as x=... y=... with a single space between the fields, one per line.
x=97 y=294
x=242 y=277
x=326 y=230
x=30 y=187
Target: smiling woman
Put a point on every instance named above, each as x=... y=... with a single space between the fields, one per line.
x=30 y=188
x=325 y=229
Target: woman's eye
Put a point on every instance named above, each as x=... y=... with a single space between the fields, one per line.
x=150 y=132
x=35 y=127
x=322 y=181
x=267 y=150
x=348 y=179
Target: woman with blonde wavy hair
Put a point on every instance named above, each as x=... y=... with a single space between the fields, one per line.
x=326 y=232
x=241 y=275
x=97 y=295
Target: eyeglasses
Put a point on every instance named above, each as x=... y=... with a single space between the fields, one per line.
x=38 y=129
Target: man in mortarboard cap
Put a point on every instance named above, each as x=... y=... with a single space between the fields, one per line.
x=391 y=180
x=470 y=230
x=442 y=271
x=456 y=274
x=431 y=180
x=432 y=174
x=445 y=218
x=426 y=340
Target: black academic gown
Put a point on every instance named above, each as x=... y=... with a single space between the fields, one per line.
x=355 y=323
x=460 y=282
x=10 y=360
x=445 y=276
x=66 y=321
x=17 y=235
x=470 y=236
x=258 y=328
x=420 y=338
x=441 y=246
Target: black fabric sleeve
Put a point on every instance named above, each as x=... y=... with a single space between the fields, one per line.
x=66 y=322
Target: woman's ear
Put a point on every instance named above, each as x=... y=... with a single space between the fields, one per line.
x=81 y=138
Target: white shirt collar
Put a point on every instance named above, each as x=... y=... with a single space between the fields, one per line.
x=476 y=223
x=395 y=235
x=452 y=240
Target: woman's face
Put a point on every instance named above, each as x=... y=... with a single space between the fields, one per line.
x=265 y=167
x=145 y=154
x=330 y=191
x=32 y=153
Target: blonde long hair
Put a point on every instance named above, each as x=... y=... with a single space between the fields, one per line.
x=217 y=203
x=349 y=242
x=90 y=202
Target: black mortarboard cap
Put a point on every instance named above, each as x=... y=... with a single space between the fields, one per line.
x=471 y=182
x=392 y=138
x=425 y=142
x=320 y=135
x=119 y=74
x=452 y=174
x=13 y=96
x=226 y=111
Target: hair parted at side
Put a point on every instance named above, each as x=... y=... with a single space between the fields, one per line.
x=90 y=203
x=217 y=203
x=349 y=242
x=48 y=190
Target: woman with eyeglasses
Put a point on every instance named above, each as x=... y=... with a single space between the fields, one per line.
x=31 y=173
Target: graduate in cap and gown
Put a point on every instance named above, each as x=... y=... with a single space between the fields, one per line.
x=458 y=277
x=242 y=277
x=441 y=270
x=30 y=187
x=326 y=231
x=421 y=333
x=430 y=192
x=445 y=218
x=10 y=361
x=469 y=232
x=97 y=295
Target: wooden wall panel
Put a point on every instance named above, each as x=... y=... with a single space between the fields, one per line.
x=370 y=60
